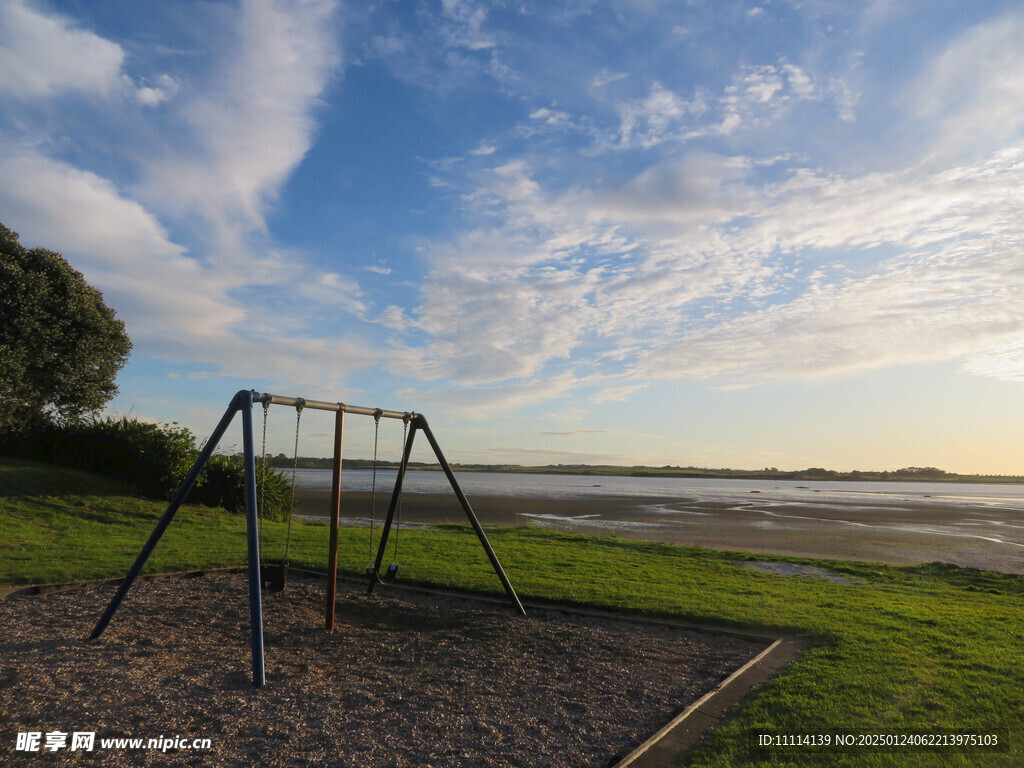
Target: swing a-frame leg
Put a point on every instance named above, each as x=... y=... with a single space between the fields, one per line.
x=420 y=423
x=242 y=402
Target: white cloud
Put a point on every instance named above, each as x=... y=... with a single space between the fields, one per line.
x=918 y=310
x=660 y=116
x=485 y=402
x=118 y=244
x=552 y=117
x=249 y=121
x=395 y=319
x=164 y=88
x=953 y=289
x=616 y=394
x=174 y=307
x=488 y=327
x=973 y=92
x=76 y=209
x=1005 y=361
x=253 y=123
x=700 y=186
x=466 y=28
x=575 y=432
x=757 y=96
x=688 y=271
x=686 y=267
x=339 y=294
x=846 y=99
x=760 y=95
x=605 y=77
x=44 y=55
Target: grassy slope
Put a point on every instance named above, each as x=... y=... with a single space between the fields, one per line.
x=909 y=650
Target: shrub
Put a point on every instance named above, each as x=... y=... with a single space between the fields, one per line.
x=222 y=484
x=152 y=457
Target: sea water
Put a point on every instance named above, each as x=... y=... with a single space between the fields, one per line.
x=847 y=494
x=980 y=525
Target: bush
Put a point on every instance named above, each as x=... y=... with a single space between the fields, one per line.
x=154 y=458
x=222 y=484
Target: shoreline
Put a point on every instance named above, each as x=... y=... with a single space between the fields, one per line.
x=827 y=476
x=984 y=538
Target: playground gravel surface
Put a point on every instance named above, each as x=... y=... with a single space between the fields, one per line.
x=406 y=679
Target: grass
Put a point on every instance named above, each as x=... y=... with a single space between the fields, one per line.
x=906 y=650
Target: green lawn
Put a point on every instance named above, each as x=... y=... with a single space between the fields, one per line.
x=906 y=651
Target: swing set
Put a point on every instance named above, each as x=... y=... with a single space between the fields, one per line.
x=273 y=575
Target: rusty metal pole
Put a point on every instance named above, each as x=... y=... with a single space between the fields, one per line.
x=332 y=557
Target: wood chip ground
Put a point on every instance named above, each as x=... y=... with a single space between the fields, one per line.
x=406 y=680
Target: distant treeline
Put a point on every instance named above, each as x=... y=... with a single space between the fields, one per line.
x=918 y=474
x=313 y=462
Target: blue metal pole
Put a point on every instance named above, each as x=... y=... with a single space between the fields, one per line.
x=421 y=422
x=179 y=498
x=253 y=540
x=396 y=496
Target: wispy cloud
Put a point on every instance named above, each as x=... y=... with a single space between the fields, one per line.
x=489 y=402
x=248 y=123
x=971 y=96
x=1004 y=361
x=657 y=268
x=952 y=290
x=251 y=124
x=584 y=432
x=43 y=55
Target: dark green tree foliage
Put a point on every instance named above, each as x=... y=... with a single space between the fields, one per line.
x=61 y=346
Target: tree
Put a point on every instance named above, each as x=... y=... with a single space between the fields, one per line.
x=61 y=346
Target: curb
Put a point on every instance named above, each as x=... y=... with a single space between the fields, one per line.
x=681 y=734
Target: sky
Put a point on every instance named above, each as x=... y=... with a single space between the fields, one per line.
x=718 y=234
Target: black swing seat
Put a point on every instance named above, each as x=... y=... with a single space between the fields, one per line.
x=389 y=574
x=272 y=576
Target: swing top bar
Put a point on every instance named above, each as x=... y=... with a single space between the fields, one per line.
x=320 y=405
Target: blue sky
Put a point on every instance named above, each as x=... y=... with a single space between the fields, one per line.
x=698 y=233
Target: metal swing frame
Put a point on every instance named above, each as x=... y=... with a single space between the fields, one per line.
x=243 y=403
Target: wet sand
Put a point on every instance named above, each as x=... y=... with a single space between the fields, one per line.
x=989 y=538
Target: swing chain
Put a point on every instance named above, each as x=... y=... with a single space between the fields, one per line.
x=299 y=404
x=373 y=482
